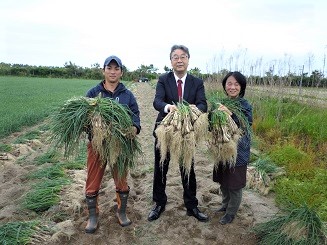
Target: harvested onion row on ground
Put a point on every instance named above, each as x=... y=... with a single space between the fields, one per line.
x=179 y=132
x=262 y=175
x=294 y=224
x=24 y=232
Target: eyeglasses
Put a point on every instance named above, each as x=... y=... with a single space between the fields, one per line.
x=176 y=57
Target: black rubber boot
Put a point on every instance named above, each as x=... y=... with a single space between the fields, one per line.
x=92 y=223
x=122 y=197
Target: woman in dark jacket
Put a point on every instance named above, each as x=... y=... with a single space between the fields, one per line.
x=232 y=179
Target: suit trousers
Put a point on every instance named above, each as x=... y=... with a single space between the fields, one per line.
x=160 y=179
x=95 y=172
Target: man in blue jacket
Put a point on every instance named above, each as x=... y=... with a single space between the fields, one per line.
x=110 y=88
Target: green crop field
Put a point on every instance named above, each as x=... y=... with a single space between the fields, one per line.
x=26 y=101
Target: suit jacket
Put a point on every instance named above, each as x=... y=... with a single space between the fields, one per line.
x=166 y=93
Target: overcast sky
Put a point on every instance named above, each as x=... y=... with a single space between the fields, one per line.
x=252 y=32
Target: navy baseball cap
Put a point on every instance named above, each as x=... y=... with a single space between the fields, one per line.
x=115 y=58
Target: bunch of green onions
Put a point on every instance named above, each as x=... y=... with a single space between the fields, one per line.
x=179 y=132
x=108 y=123
x=218 y=117
x=224 y=133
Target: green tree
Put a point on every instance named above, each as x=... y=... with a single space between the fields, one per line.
x=167 y=69
x=316 y=77
x=72 y=69
x=195 y=71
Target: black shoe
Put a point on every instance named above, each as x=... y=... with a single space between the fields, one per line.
x=197 y=214
x=226 y=219
x=222 y=209
x=155 y=212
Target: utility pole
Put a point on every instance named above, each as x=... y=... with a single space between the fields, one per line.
x=300 y=87
x=323 y=68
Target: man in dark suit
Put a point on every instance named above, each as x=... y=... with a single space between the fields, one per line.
x=171 y=88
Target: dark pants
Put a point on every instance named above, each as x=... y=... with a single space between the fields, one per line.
x=160 y=179
x=231 y=200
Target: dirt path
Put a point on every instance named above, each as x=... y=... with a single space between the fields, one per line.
x=173 y=227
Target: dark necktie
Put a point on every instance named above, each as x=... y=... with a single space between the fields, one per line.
x=179 y=91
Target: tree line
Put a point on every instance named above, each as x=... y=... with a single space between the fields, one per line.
x=71 y=70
